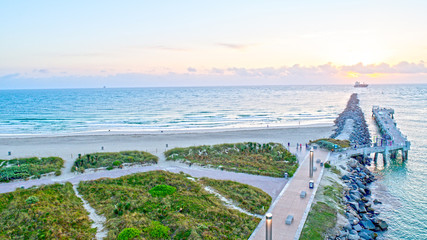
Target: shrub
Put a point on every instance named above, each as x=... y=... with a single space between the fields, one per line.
x=268 y=159
x=162 y=190
x=22 y=168
x=327 y=165
x=113 y=159
x=128 y=233
x=109 y=168
x=117 y=163
x=32 y=199
x=57 y=172
x=157 y=230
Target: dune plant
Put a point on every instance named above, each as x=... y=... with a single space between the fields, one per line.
x=331 y=143
x=129 y=234
x=112 y=160
x=46 y=212
x=250 y=198
x=23 y=168
x=190 y=212
x=268 y=159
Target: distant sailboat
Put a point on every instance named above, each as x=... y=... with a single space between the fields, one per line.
x=358 y=84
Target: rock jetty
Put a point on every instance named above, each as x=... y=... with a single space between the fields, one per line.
x=363 y=220
x=360 y=134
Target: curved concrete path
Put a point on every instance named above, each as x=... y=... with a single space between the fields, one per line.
x=290 y=203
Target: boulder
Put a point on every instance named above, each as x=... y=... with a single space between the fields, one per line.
x=367 y=224
x=370 y=234
x=360 y=184
x=376 y=201
x=382 y=225
x=352 y=163
x=362 y=208
x=345 y=177
x=365 y=236
x=354 y=205
x=353 y=237
x=357 y=227
x=348 y=227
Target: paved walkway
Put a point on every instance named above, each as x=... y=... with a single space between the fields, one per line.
x=270 y=185
x=290 y=203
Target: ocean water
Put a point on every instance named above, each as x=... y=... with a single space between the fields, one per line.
x=401 y=186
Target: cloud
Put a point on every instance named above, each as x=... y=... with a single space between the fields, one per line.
x=41 y=71
x=93 y=54
x=402 y=67
x=191 y=69
x=234 y=46
x=403 y=72
x=10 y=76
x=217 y=71
x=168 y=48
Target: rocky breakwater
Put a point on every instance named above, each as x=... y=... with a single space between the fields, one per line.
x=363 y=220
x=360 y=134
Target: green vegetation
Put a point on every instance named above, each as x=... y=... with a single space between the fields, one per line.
x=190 y=212
x=156 y=230
x=47 y=212
x=321 y=218
x=23 y=168
x=271 y=159
x=111 y=160
x=162 y=190
x=323 y=215
x=332 y=143
x=128 y=234
x=250 y=198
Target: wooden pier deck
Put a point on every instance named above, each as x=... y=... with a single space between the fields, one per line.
x=392 y=139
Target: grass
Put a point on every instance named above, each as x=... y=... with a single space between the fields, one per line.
x=250 y=198
x=47 y=212
x=323 y=215
x=112 y=160
x=24 y=168
x=329 y=143
x=190 y=212
x=321 y=218
x=271 y=159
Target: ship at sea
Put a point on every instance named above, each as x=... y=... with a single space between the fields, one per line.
x=358 y=84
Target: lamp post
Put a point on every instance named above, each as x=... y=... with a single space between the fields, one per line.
x=268 y=225
x=311 y=163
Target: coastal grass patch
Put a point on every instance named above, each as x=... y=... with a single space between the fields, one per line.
x=250 y=198
x=25 y=168
x=323 y=214
x=332 y=143
x=268 y=159
x=190 y=212
x=112 y=160
x=321 y=218
x=46 y=212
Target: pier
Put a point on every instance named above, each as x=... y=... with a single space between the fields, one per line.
x=392 y=139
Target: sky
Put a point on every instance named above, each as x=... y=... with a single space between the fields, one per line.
x=60 y=44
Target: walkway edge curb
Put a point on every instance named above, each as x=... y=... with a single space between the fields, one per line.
x=310 y=202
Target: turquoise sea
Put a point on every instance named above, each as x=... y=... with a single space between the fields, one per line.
x=401 y=187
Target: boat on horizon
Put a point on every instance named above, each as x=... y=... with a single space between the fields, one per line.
x=358 y=84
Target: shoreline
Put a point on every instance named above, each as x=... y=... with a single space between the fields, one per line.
x=115 y=132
